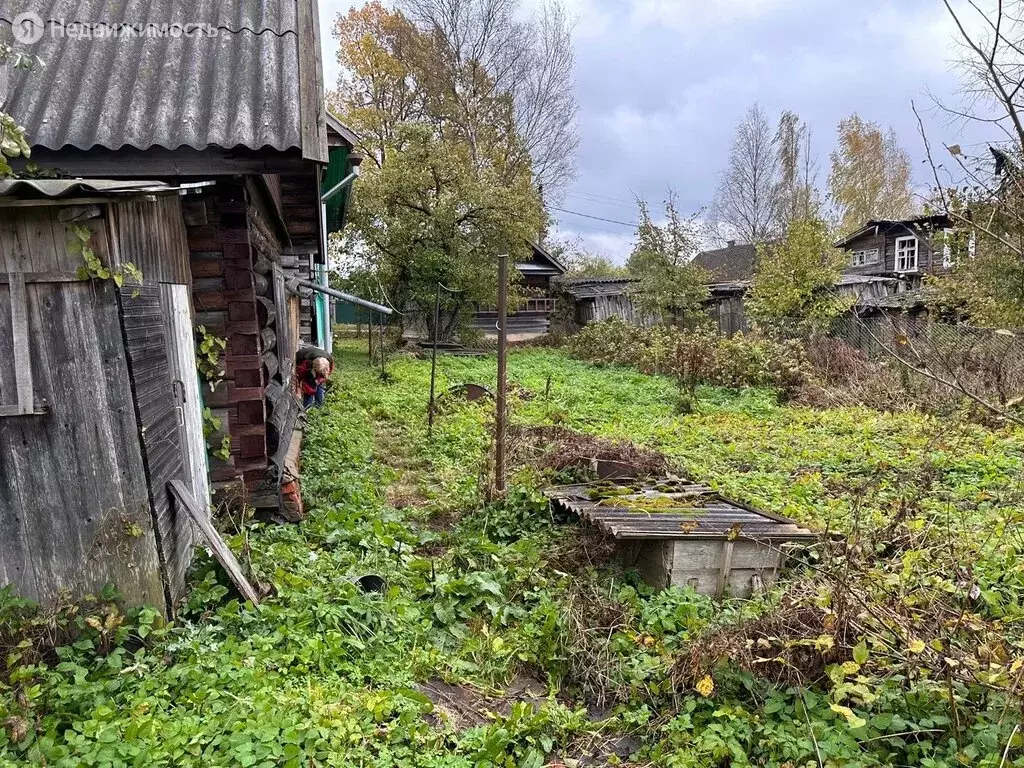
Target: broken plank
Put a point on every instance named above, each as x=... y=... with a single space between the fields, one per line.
x=217 y=545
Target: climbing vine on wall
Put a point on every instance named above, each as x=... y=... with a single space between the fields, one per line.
x=209 y=348
x=93 y=267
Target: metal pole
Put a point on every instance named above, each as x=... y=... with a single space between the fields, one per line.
x=343 y=296
x=500 y=427
x=433 y=361
x=369 y=340
x=383 y=362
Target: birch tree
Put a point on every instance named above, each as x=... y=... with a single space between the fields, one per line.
x=798 y=197
x=747 y=201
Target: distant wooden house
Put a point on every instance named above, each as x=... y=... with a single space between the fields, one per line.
x=533 y=316
x=904 y=249
x=217 y=190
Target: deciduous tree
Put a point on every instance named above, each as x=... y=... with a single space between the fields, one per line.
x=581 y=262
x=984 y=194
x=747 y=201
x=443 y=191
x=871 y=175
x=797 y=192
x=794 y=283
x=670 y=286
x=491 y=52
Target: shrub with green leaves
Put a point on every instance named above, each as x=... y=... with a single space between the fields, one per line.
x=696 y=357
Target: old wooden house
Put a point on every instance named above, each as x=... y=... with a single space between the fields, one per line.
x=581 y=301
x=533 y=315
x=206 y=162
x=907 y=249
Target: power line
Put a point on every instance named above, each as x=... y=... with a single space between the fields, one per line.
x=606 y=203
x=599 y=196
x=595 y=218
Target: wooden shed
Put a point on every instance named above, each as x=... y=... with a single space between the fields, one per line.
x=585 y=300
x=682 y=534
x=100 y=401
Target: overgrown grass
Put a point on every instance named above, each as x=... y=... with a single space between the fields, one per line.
x=480 y=593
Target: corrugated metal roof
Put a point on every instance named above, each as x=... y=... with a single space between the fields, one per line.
x=65 y=187
x=592 y=287
x=671 y=509
x=238 y=89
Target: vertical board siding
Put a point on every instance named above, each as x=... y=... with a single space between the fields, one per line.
x=74 y=507
x=149 y=360
x=151 y=235
x=36 y=240
x=8 y=387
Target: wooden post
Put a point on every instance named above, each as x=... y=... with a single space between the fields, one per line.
x=500 y=426
x=433 y=361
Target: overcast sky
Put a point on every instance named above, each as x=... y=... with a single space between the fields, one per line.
x=661 y=85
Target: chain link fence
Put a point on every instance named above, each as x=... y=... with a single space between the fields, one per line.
x=924 y=357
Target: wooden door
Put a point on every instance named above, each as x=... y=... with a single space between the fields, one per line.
x=188 y=392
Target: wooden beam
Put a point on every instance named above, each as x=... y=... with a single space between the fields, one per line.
x=41 y=408
x=22 y=354
x=217 y=545
x=12 y=202
x=726 y=569
x=43 y=277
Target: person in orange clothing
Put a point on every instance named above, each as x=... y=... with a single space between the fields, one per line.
x=313 y=367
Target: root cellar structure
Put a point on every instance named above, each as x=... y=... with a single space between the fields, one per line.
x=677 y=533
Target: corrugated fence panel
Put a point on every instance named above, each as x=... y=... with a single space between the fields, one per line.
x=148 y=355
x=74 y=508
x=151 y=235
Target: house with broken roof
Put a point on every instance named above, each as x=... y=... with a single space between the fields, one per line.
x=197 y=176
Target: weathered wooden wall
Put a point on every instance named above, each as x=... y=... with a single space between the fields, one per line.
x=728 y=314
x=149 y=363
x=74 y=506
x=150 y=233
x=929 y=259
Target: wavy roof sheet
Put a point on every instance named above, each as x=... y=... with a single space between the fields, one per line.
x=239 y=88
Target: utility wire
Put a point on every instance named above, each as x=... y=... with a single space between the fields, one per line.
x=599 y=201
x=631 y=225
x=599 y=196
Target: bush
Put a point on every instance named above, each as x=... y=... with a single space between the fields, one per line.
x=695 y=357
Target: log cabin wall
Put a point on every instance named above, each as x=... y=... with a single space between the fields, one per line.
x=226 y=288
x=300 y=206
x=75 y=510
x=280 y=326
